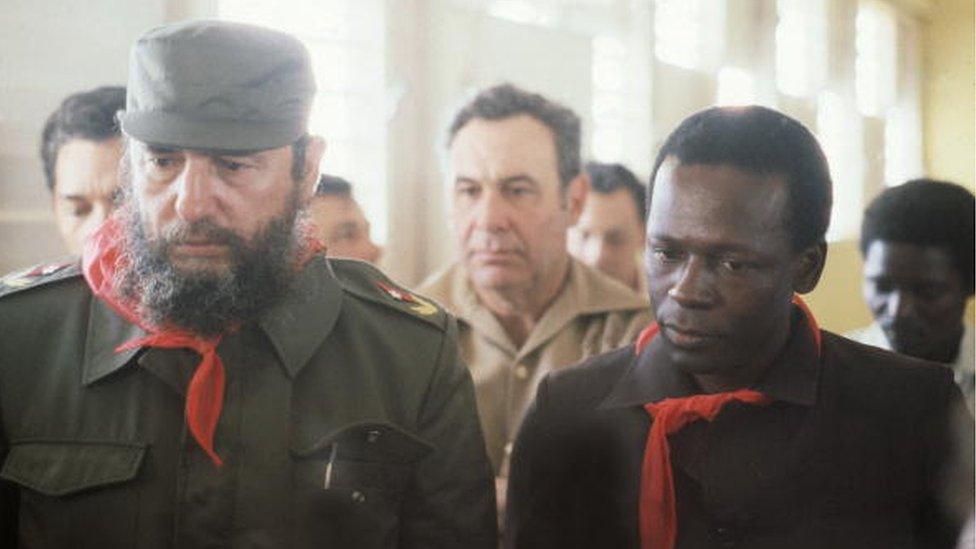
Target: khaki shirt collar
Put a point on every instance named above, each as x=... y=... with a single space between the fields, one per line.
x=585 y=292
x=296 y=326
x=651 y=377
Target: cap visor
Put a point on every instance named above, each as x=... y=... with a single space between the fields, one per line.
x=186 y=132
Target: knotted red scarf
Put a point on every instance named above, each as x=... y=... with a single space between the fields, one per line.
x=658 y=518
x=102 y=259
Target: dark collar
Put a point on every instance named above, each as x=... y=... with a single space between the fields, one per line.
x=296 y=326
x=652 y=377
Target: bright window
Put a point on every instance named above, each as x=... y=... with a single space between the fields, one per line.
x=801 y=46
x=609 y=102
x=735 y=87
x=875 y=78
x=345 y=39
x=840 y=134
x=678 y=29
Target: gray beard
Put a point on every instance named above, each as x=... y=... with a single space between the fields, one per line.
x=209 y=303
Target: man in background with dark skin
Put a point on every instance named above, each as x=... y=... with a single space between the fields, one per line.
x=340 y=222
x=917 y=240
x=609 y=235
x=81 y=146
x=207 y=377
x=735 y=420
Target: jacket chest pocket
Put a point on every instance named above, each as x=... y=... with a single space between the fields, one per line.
x=75 y=493
x=353 y=482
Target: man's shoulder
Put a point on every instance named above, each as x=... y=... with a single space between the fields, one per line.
x=40 y=277
x=585 y=385
x=363 y=281
x=874 y=376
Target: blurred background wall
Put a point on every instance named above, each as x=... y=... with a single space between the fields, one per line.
x=888 y=87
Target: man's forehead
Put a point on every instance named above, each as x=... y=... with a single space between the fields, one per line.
x=906 y=260
x=614 y=209
x=516 y=142
x=717 y=203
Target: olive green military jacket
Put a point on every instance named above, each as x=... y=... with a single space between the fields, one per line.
x=592 y=314
x=348 y=422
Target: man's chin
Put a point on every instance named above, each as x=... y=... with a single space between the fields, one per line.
x=496 y=277
x=201 y=267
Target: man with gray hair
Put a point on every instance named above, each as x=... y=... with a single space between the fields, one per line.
x=525 y=307
x=207 y=377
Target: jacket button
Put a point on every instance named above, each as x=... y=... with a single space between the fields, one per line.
x=521 y=371
x=358 y=497
x=723 y=536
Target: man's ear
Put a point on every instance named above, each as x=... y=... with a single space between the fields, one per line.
x=576 y=193
x=313 y=156
x=807 y=267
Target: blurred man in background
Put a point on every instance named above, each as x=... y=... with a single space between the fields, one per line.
x=525 y=307
x=609 y=235
x=340 y=222
x=81 y=147
x=917 y=240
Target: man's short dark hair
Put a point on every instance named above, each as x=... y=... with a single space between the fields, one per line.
x=86 y=115
x=926 y=212
x=765 y=142
x=505 y=101
x=330 y=185
x=609 y=178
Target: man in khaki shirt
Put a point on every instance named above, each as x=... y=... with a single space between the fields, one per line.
x=524 y=306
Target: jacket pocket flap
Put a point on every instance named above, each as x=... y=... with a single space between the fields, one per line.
x=59 y=468
x=370 y=441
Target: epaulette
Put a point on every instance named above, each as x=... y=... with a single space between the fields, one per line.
x=39 y=275
x=368 y=282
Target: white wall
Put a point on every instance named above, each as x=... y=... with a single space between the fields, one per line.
x=49 y=49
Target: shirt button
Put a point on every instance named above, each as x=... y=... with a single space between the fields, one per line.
x=358 y=497
x=372 y=436
x=521 y=372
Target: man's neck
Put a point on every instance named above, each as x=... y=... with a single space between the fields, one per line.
x=747 y=375
x=518 y=309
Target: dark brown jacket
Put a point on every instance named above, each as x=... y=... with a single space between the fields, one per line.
x=348 y=421
x=861 y=448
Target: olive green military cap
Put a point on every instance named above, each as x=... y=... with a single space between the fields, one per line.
x=217 y=85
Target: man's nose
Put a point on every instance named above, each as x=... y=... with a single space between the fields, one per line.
x=195 y=191
x=693 y=288
x=493 y=212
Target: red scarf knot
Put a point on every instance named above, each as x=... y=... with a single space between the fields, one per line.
x=658 y=510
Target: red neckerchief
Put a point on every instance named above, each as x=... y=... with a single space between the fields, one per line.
x=658 y=518
x=102 y=258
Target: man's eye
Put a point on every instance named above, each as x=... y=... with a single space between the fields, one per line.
x=232 y=165
x=81 y=210
x=733 y=265
x=665 y=255
x=468 y=191
x=520 y=191
x=160 y=161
